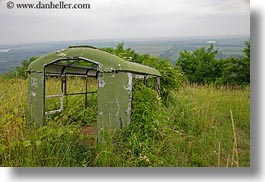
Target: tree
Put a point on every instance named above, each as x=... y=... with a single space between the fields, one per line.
x=233 y=72
x=246 y=61
x=237 y=71
x=246 y=51
x=171 y=78
x=200 y=65
x=21 y=70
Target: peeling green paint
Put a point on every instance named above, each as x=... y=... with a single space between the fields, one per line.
x=114 y=101
x=36 y=99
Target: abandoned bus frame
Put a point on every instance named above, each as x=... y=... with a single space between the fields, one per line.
x=114 y=76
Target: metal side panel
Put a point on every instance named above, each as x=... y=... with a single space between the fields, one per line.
x=114 y=100
x=36 y=99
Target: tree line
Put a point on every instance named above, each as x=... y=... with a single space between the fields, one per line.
x=201 y=66
x=198 y=66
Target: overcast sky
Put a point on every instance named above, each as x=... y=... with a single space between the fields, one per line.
x=125 y=19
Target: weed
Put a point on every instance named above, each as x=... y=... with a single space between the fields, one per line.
x=195 y=126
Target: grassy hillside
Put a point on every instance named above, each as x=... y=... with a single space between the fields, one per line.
x=198 y=126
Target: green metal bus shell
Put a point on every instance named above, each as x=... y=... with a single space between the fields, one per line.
x=114 y=77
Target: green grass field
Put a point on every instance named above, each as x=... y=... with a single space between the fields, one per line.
x=200 y=126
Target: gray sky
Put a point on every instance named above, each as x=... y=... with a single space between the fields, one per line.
x=128 y=19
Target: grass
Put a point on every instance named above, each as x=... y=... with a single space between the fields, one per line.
x=200 y=126
x=204 y=114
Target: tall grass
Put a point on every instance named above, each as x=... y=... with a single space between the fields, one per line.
x=203 y=114
x=199 y=126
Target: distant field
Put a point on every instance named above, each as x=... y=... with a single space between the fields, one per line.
x=226 y=48
x=150 y=47
x=200 y=126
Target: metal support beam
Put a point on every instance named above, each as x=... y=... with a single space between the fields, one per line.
x=86 y=95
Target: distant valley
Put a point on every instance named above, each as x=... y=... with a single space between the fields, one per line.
x=12 y=55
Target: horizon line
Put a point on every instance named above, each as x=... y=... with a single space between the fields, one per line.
x=132 y=39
